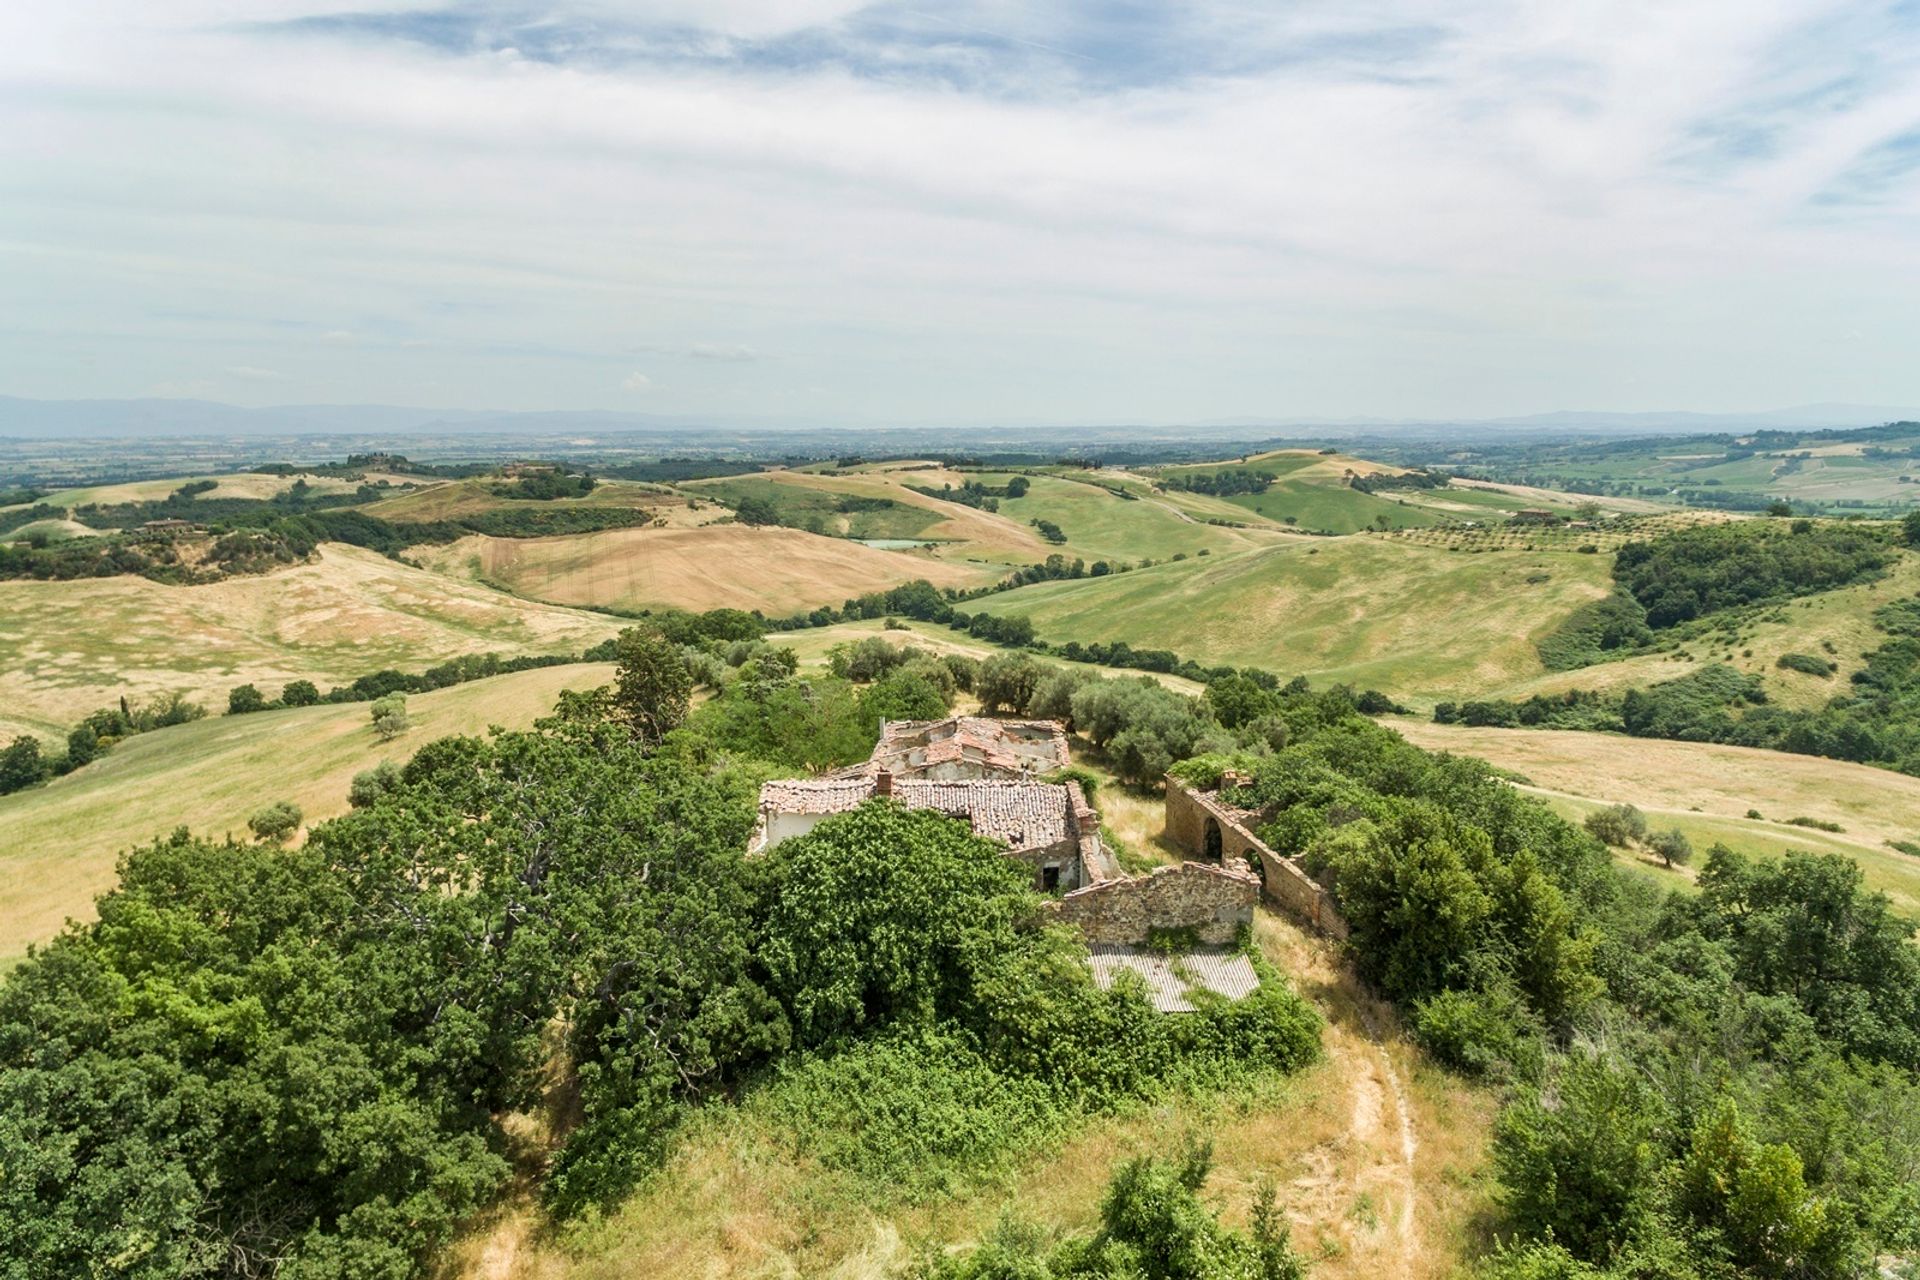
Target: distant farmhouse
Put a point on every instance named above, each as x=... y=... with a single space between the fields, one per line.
x=1176 y=927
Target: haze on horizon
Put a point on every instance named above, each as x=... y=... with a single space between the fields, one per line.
x=967 y=212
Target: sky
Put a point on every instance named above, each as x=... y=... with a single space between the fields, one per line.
x=967 y=212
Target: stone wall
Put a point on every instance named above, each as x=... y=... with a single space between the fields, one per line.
x=1212 y=901
x=1287 y=886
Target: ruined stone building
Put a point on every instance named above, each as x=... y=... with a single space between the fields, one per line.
x=966 y=748
x=1047 y=825
x=1204 y=824
x=1175 y=927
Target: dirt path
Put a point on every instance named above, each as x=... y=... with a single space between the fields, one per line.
x=1361 y=1182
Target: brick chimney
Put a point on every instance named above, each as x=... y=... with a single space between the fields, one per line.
x=883 y=783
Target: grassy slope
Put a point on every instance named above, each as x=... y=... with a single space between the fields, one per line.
x=1418 y=622
x=778 y=571
x=971 y=534
x=1842 y=619
x=68 y=648
x=812 y=645
x=59 y=843
x=1102 y=526
x=1706 y=791
x=241 y=484
x=472 y=497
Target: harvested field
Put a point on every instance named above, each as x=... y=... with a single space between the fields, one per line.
x=777 y=571
x=1707 y=790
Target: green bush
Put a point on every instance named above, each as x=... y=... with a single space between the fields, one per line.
x=1807 y=664
x=277 y=822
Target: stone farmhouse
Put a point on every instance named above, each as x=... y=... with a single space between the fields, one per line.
x=1175 y=927
x=1047 y=825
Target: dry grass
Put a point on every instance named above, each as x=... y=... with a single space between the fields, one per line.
x=58 y=843
x=456 y=498
x=69 y=648
x=778 y=571
x=1706 y=791
x=243 y=484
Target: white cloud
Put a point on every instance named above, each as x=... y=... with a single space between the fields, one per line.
x=253 y=373
x=637 y=382
x=733 y=352
x=1479 y=207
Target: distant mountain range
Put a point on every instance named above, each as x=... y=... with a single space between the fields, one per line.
x=82 y=419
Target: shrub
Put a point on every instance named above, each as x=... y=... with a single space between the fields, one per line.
x=390 y=716
x=1618 y=826
x=299 y=693
x=369 y=785
x=1807 y=664
x=277 y=822
x=244 y=699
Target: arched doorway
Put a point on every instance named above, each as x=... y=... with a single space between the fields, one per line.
x=1213 y=845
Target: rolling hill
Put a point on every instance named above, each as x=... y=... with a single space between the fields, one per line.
x=69 y=648
x=1420 y=623
x=774 y=570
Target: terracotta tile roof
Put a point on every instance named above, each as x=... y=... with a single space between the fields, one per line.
x=1021 y=815
x=1011 y=747
x=814 y=795
x=1169 y=977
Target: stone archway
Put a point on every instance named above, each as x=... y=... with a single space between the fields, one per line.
x=1213 y=846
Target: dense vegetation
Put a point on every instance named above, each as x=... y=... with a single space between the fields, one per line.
x=547 y=485
x=1692 y=572
x=1721 y=1085
x=261 y=1061
x=1874 y=720
x=1224 y=483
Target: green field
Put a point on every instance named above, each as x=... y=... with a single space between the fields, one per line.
x=820 y=510
x=1100 y=525
x=59 y=842
x=1312 y=492
x=1417 y=622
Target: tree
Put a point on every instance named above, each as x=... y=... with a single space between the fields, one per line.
x=1779 y=507
x=652 y=686
x=904 y=695
x=21 y=765
x=83 y=746
x=1673 y=847
x=1006 y=682
x=1017 y=487
x=1910 y=529
x=1237 y=700
x=299 y=693
x=1618 y=826
x=277 y=822
x=756 y=511
x=390 y=716
x=369 y=785
x=1578 y=1163
x=245 y=699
